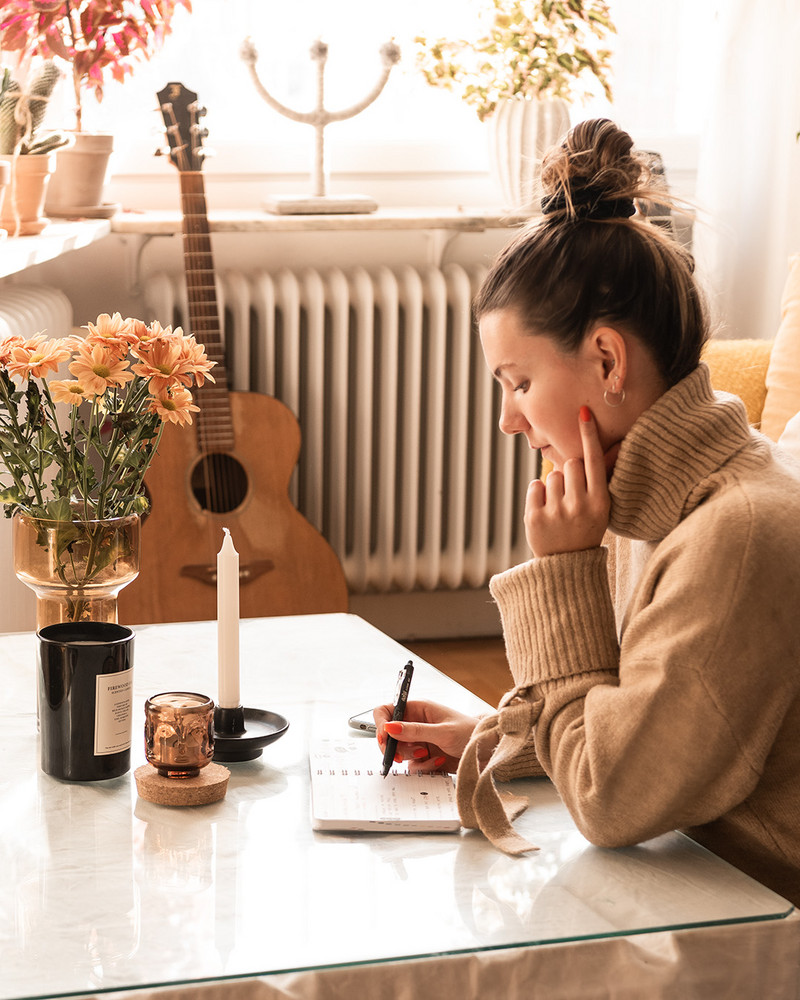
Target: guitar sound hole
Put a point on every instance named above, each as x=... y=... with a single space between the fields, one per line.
x=219 y=483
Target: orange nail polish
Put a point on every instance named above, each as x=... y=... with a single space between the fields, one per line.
x=419 y=753
x=440 y=762
x=585 y=414
x=393 y=728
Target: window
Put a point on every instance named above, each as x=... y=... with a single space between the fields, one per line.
x=661 y=86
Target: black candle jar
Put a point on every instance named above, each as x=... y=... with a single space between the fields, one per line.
x=85 y=692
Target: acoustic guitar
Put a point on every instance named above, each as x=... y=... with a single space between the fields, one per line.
x=234 y=471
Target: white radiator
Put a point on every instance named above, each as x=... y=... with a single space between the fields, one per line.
x=402 y=467
x=25 y=310
x=30 y=309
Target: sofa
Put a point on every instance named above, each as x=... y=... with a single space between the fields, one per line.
x=765 y=374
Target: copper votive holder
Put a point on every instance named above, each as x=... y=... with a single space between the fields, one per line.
x=179 y=733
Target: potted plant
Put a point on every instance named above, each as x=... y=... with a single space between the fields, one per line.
x=74 y=483
x=528 y=60
x=96 y=39
x=26 y=148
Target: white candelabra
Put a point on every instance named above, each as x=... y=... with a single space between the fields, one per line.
x=320 y=201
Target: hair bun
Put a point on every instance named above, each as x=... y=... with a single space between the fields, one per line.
x=594 y=173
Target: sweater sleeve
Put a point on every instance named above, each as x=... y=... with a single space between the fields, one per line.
x=671 y=728
x=526 y=646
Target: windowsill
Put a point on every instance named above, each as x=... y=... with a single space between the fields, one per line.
x=164 y=223
x=20 y=252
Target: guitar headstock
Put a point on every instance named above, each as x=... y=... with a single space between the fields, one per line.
x=182 y=113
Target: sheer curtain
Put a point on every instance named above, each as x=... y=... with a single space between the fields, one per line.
x=748 y=187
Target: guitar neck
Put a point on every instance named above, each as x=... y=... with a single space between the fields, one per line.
x=214 y=420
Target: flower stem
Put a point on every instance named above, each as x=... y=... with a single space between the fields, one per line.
x=19 y=434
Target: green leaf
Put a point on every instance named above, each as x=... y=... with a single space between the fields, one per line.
x=11 y=494
x=59 y=510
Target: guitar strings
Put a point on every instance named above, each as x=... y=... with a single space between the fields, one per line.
x=217 y=483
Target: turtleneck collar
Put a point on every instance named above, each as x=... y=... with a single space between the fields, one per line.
x=688 y=433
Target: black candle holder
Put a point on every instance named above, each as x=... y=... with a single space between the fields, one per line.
x=242 y=733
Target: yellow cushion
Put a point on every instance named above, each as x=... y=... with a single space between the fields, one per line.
x=783 y=376
x=740 y=367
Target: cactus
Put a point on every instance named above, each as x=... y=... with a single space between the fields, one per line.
x=49 y=142
x=8 y=126
x=12 y=134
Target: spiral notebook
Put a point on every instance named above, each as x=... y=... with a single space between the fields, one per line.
x=349 y=793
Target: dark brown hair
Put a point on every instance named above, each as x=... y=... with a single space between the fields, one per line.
x=578 y=266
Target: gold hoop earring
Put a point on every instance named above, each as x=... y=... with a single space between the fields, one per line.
x=621 y=394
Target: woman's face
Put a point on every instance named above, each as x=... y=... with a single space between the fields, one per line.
x=543 y=388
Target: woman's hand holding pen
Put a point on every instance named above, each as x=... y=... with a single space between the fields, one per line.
x=431 y=736
x=570 y=512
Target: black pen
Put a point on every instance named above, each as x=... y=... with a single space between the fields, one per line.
x=400 y=699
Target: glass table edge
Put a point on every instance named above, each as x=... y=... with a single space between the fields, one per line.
x=391 y=960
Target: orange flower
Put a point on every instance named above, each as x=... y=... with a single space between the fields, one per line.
x=7 y=345
x=161 y=361
x=36 y=357
x=66 y=391
x=197 y=363
x=139 y=331
x=174 y=405
x=156 y=331
x=98 y=367
x=112 y=331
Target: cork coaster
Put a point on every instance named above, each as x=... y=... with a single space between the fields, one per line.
x=210 y=785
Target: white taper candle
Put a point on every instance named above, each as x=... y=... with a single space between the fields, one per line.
x=228 y=623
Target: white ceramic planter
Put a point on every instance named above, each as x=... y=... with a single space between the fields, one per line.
x=76 y=187
x=520 y=133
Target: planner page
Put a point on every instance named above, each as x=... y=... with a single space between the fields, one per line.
x=349 y=793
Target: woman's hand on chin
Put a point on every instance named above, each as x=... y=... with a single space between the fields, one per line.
x=570 y=512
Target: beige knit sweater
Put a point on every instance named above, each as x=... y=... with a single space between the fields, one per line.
x=671 y=700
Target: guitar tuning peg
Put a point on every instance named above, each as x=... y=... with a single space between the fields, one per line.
x=162 y=151
x=206 y=151
x=201 y=133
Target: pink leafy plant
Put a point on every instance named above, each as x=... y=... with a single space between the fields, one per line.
x=96 y=37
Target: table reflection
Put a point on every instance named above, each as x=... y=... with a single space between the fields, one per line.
x=79 y=879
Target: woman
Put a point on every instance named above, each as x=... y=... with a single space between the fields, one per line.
x=653 y=637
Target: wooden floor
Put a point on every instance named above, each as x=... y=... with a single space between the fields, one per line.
x=479 y=665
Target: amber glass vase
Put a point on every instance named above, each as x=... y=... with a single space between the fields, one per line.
x=76 y=568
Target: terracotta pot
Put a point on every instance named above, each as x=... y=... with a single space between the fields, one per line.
x=520 y=133
x=76 y=568
x=23 y=204
x=76 y=188
x=5 y=180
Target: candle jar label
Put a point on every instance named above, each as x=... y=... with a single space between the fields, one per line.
x=113 y=705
